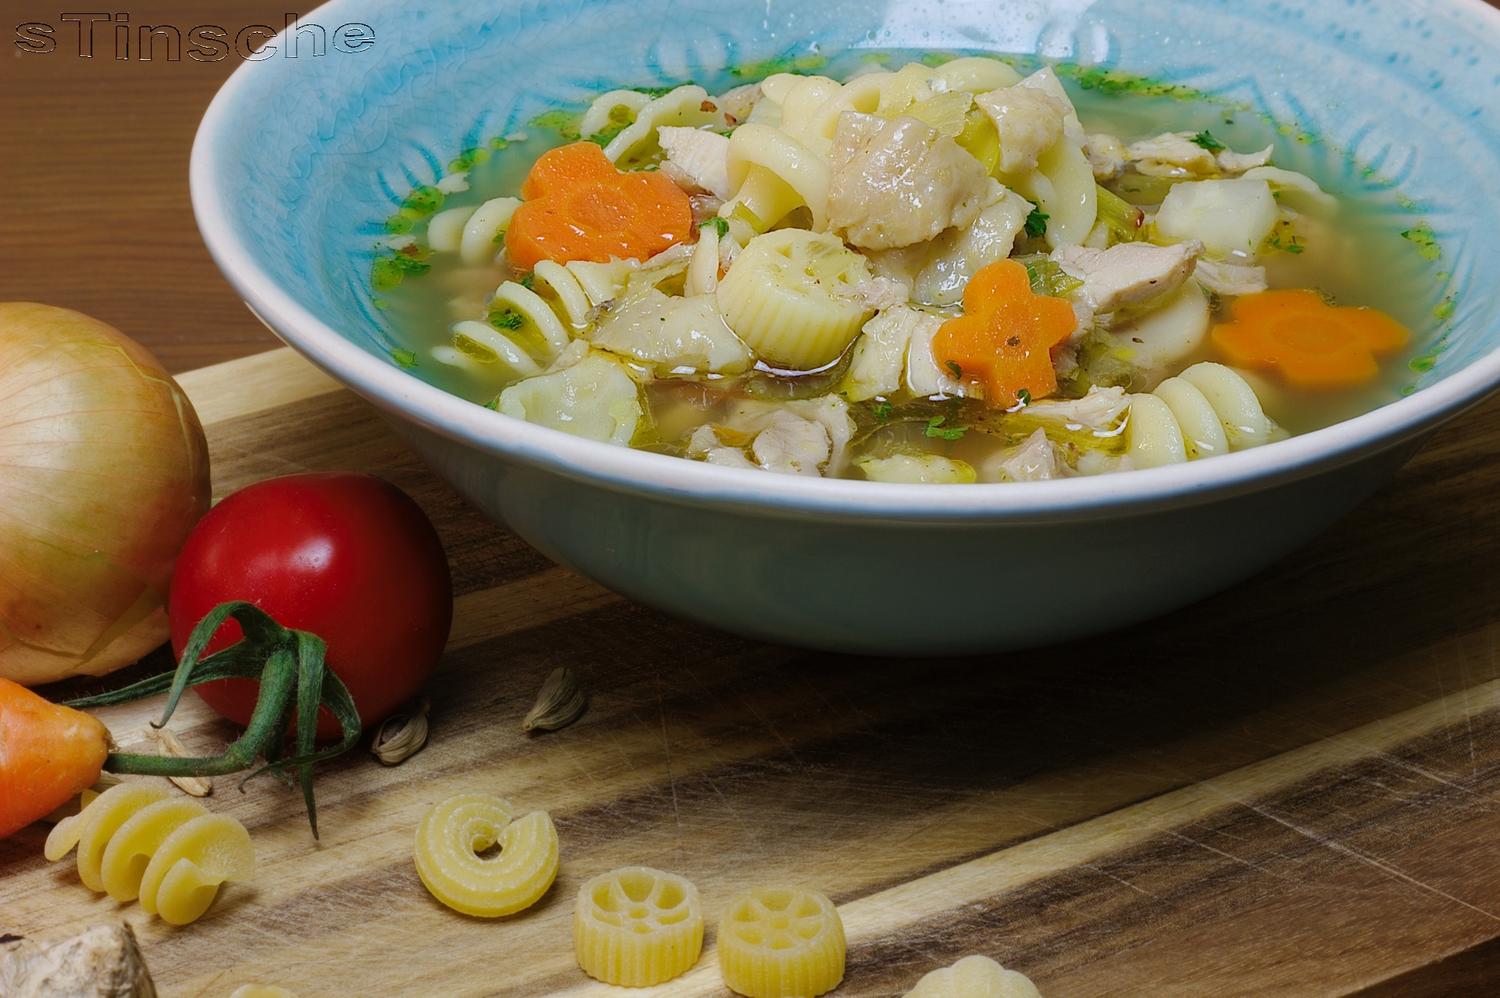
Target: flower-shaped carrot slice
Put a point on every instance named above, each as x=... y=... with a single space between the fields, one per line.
x=1311 y=343
x=579 y=207
x=1005 y=337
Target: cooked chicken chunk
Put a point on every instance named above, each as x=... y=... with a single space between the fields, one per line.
x=899 y=182
x=1231 y=278
x=1129 y=273
x=880 y=292
x=1033 y=461
x=1100 y=409
x=1232 y=162
x=1173 y=154
x=791 y=445
x=1107 y=156
x=697 y=161
x=1028 y=120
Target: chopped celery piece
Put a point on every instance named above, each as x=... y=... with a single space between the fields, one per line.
x=1125 y=221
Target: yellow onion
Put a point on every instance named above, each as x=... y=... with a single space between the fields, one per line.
x=103 y=472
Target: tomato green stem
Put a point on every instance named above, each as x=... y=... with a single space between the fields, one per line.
x=294 y=684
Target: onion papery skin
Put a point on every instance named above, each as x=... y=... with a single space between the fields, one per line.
x=103 y=473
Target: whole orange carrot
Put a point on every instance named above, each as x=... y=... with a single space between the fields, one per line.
x=48 y=754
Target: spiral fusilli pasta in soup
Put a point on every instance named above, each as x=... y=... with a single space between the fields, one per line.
x=941 y=270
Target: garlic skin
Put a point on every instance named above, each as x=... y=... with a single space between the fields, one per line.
x=403 y=734
x=559 y=703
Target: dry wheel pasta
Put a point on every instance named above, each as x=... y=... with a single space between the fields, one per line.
x=637 y=927
x=781 y=942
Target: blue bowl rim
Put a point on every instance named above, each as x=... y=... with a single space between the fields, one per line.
x=696 y=483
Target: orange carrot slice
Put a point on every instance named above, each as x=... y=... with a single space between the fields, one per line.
x=48 y=755
x=1311 y=343
x=1005 y=337
x=579 y=207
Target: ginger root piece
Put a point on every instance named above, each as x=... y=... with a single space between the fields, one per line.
x=103 y=962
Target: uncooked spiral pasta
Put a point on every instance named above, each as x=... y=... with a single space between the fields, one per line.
x=451 y=837
x=1206 y=410
x=781 y=942
x=637 y=927
x=134 y=842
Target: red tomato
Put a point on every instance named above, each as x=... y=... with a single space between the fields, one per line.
x=350 y=558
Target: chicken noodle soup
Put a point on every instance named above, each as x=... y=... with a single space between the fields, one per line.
x=942 y=272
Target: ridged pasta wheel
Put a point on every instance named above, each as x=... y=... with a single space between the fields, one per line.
x=974 y=977
x=781 y=942
x=636 y=927
x=134 y=842
x=451 y=837
x=787 y=295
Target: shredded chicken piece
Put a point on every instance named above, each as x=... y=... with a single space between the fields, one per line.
x=1107 y=156
x=1029 y=122
x=697 y=161
x=1235 y=163
x=791 y=445
x=737 y=103
x=1033 y=461
x=896 y=182
x=880 y=293
x=1129 y=273
x=1172 y=154
x=1100 y=409
x=1231 y=278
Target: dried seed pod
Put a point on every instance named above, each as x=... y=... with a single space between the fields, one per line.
x=170 y=744
x=559 y=703
x=403 y=734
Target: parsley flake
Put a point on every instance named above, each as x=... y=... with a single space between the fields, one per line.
x=1023 y=398
x=883 y=410
x=1036 y=223
x=1205 y=140
x=937 y=431
x=506 y=319
x=719 y=225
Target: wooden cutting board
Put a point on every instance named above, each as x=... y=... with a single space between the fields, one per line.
x=1293 y=788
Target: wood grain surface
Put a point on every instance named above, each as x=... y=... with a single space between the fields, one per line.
x=1290 y=789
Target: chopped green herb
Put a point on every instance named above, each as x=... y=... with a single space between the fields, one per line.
x=1023 y=398
x=1036 y=223
x=388 y=272
x=1425 y=240
x=958 y=372
x=468 y=159
x=506 y=318
x=1114 y=82
x=719 y=225
x=937 y=431
x=659 y=91
x=404 y=358
x=883 y=410
x=528 y=282
x=563 y=122
x=499 y=239
x=1421 y=365
x=789 y=63
x=399 y=224
x=498 y=143
x=1205 y=140
x=423 y=201
x=1444 y=309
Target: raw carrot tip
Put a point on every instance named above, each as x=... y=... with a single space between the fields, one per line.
x=1004 y=339
x=580 y=207
x=1309 y=342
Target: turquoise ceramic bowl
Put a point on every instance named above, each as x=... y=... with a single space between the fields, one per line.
x=298 y=161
